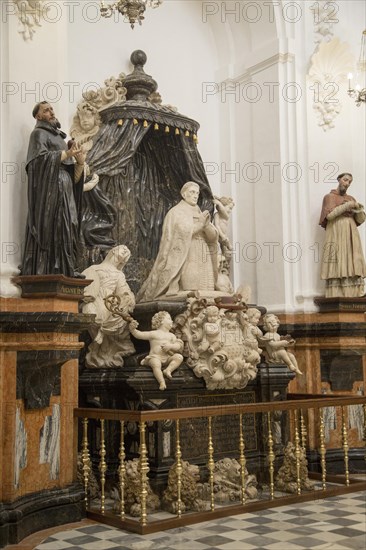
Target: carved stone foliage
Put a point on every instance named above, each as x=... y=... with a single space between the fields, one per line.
x=132 y=491
x=329 y=68
x=190 y=477
x=29 y=13
x=216 y=347
x=286 y=479
x=325 y=14
x=227 y=482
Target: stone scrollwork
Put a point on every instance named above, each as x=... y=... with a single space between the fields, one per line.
x=111 y=93
x=133 y=491
x=216 y=343
x=30 y=13
x=190 y=489
x=227 y=482
x=329 y=68
x=87 y=121
x=286 y=479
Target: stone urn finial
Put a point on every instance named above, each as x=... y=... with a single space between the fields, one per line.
x=139 y=84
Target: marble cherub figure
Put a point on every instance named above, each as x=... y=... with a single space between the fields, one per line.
x=211 y=341
x=253 y=334
x=275 y=346
x=165 y=348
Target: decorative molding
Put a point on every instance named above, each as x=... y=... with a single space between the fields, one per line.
x=249 y=72
x=30 y=13
x=325 y=15
x=329 y=68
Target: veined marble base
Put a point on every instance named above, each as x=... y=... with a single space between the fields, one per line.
x=39 y=511
x=331 y=352
x=39 y=349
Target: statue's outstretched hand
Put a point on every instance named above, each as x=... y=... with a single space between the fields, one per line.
x=205 y=218
x=133 y=325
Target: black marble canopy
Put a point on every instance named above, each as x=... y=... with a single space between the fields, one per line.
x=143 y=154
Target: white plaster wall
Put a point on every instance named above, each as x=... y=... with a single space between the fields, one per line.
x=285 y=131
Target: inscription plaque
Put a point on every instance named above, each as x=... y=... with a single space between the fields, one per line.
x=225 y=429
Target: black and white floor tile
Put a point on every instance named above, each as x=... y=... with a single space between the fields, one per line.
x=337 y=523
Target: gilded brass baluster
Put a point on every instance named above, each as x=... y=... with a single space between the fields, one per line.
x=297 y=453
x=144 y=468
x=102 y=466
x=211 y=463
x=178 y=458
x=85 y=459
x=322 y=450
x=271 y=457
x=122 y=470
x=364 y=426
x=303 y=431
x=345 y=445
x=242 y=459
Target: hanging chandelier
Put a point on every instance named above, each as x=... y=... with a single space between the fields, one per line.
x=133 y=10
x=357 y=89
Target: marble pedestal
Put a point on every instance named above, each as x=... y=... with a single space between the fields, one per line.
x=39 y=349
x=331 y=352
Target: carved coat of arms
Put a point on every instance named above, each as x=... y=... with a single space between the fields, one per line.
x=218 y=342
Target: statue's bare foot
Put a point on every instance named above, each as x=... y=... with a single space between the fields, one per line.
x=167 y=373
x=298 y=371
x=162 y=386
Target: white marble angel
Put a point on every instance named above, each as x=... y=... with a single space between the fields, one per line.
x=111 y=337
x=165 y=347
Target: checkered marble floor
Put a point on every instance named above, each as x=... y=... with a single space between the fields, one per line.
x=335 y=523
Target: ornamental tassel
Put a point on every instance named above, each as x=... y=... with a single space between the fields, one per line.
x=177 y=132
x=167 y=129
x=145 y=123
x=120 y=122
x=135 y=121
x=156 y=126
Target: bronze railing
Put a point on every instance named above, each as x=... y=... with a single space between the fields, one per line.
x=298 y=408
